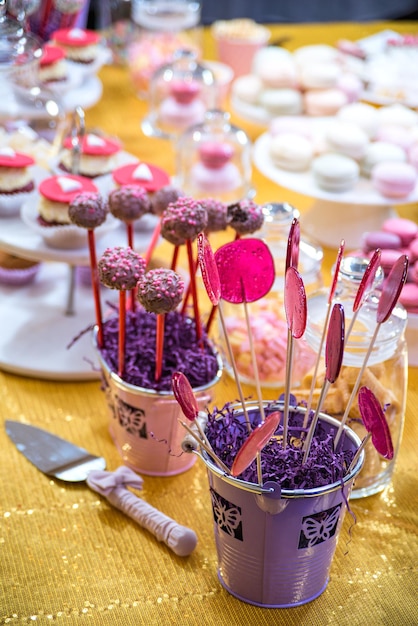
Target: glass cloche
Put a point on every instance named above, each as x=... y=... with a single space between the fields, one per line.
x=213 y=160
x=180 y=93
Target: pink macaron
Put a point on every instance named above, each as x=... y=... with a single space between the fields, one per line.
x=394 y=179
x=413 y=251
x=381 y=239
x=406 y=229
x=409 y=297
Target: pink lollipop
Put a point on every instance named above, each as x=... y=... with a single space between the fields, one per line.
x=292 y=253
x=88 y=210
x=121 y=268
x=296 y=314
x=334 y=350
x=160 y=291
x=256 y=441
x=364 y=288
x=391 y=291
x=325 y=328
x=375 y=422
x=248 y=263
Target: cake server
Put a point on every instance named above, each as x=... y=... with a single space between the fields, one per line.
x=61 y=459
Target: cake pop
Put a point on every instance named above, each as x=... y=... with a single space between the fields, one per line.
x=89 y=210
x=217 y=214
x=160 y=291
x=183 y=220
x=245 y=217
x=129 y=202
x=163 y=197
x=121 y=268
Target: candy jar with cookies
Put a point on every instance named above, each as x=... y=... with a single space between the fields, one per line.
x=375 y=355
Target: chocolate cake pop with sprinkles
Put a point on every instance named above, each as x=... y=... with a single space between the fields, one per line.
x=245 y=217
x=183 y=220
x=88 y=210
x=129 y=202
x=163 y=197
x=160 y=290
x=121 y=268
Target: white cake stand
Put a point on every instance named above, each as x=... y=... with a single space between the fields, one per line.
x=40 y=320
x=332 y=216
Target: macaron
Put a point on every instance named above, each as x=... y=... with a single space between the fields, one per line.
x=290 y=151
x=378 y=152
x=281 y=101
x=393 y=179
x=381 y=239
x=319 y=75
x=409 y=297
x=397 y=115
x=247 y=88
x=347 y=138
x=363 y=115
x=323 y=102
x=335 y=172
x=397 y=135
x=406 y=229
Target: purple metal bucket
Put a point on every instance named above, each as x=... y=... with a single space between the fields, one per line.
x=275 y=549
x=144 y=423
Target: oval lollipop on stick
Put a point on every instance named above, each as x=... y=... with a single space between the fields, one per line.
x=293 y=241
x=212 y=282
x=184 y=395
x=121 y=268
x=325 y=328
x=89 y=210
x=364 y=287
x=254 y=444
x=160 y=291
x=391 y=291
x=375 y=423
x=296 y=315
x=334 y=351
x=246 y=271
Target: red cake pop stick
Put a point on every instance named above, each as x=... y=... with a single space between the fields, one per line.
x=192 y=273
x=391 y=291
x=121 y=268
x=296 y=315
x=88 y=210
x=160 y=291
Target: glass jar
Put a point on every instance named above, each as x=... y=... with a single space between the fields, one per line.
x=267 y=316
x=180 y=93
x=213 y=160
x=163 y=27
x=386 y=372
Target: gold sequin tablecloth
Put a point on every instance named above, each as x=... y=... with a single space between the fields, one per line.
x=67 y=557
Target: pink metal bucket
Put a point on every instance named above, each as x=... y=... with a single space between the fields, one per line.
x=144 y=424
x=275 y=548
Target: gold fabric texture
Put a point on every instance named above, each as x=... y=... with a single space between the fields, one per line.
x=68 y=557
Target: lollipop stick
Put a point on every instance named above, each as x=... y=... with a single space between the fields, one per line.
x=159 y=346
x=356 y=386
x=130 y=235
x=122 y=332
x=210 y=319
x=96 y=286
x=153 y=243
x=289 y=366
x=234 y=367
x=254 y=360
x=207 y=449
x=318 y=359
x=192 y=272
x=309 y=438
x=175 y=258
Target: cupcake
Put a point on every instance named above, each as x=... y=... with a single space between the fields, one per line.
x=52 y=66
x=15 y=271
x=50 y=217
x=80 y=45
x=98 y=158
x=16 y=180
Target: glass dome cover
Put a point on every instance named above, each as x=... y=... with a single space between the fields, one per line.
x=213 y=159
x=180 y=93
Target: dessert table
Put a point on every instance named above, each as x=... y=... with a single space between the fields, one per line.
x=68 y=557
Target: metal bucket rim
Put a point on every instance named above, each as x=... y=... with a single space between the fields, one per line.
x=144 y=391
x=292 y=493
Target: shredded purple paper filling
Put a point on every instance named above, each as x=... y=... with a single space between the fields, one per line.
x=226 y=431
x=182 y=351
